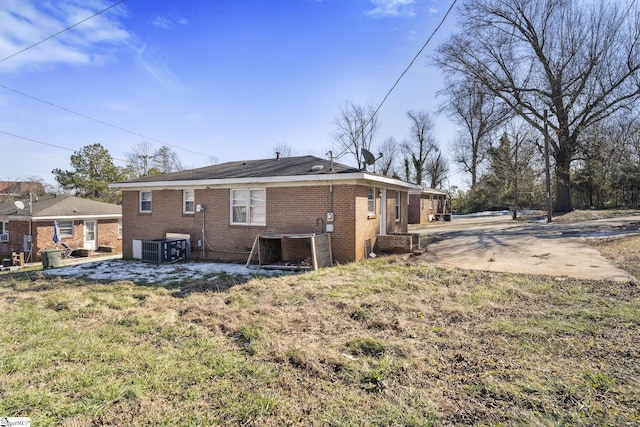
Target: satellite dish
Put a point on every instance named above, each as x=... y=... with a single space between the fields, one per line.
x=19 y=204
x=369 y=158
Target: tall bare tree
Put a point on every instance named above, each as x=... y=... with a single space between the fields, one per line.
x=479 y=114
x=437 y=170
x=578 y=60
x=139 y=158
x=165 y=160
x=356 y=127
x=387 y=164
x=420 y=145
x=143 y=160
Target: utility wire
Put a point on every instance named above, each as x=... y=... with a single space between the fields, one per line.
x=412 y=61
x=36 y=141
x=96 y=120
x=433 y=33
x=46 y=143
x=74 y=112
x=62 y=31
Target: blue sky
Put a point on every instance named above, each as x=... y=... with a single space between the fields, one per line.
x=214 y=80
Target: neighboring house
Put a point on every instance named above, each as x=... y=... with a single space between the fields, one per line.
x=26 y=225
x=12 y=190
x=426 y=205
x=225 y=207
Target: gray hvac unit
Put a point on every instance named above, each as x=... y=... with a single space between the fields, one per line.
x=165 y=250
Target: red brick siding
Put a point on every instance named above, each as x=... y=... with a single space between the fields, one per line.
x=367 y=226
x=288 y=210
x=42 y=233
x=343 y=237
x=17 y=229
x=420 y=207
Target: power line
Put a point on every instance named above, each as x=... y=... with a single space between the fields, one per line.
x=51 y=104
x=74 y=112
x=36 y=141
x=62 y=31
x=433 y=33
x=24 y=138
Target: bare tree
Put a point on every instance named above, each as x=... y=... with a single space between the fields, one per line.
x=139 y=158
x=437 y=170
x=166 y=160
x=283 y=150
x=420 y=144
x=478 y=112
x=356 y=127
x=387 y=163
x=142 y=160
x=578 y=60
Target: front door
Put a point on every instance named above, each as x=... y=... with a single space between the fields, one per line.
x=90 y=235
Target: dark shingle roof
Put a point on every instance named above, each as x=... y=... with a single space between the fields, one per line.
x=285 y=166
x=61 y=206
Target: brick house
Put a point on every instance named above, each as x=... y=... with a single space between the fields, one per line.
x=27 y=225
x=225 y=207
x=426 y=205
x=12 y=190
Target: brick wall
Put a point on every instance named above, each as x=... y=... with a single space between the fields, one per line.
x=289 y=210
x=398 y=243
x=42 y=236
x=420 y=207
x=16 y=240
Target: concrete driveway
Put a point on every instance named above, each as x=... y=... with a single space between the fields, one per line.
x=498 y=243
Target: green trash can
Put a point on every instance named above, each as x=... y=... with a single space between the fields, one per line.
x=51 y=258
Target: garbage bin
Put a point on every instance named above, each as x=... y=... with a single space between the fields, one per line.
x=51 y=258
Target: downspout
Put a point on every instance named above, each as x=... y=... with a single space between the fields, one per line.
x=30 y=257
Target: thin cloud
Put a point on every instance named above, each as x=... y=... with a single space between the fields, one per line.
x=167 y=22
x=25 y=22
x=391 y=8
x=157 y=68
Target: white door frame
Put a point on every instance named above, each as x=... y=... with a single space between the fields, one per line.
x=383 y=212
x=88 y=242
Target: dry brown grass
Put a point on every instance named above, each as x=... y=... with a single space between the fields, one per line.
x=623 y=251
x=580 y=215
x=382 y=342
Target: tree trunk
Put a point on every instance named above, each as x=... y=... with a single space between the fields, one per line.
x=563 y=187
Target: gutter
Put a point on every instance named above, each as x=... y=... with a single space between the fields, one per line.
x=60 y=217
x=228 y=182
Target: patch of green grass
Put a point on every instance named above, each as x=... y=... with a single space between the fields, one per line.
x=249 y=336
x=367 y=346
x=599 y=381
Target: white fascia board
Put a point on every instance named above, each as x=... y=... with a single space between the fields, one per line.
x=427 y=191
x=277 y=180
x=74 y=217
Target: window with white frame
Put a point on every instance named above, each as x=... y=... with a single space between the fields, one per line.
x=4 y=231
x=120 y=228
x=248 y=206
x=397 y=206
x=66 y=228
x=188 y=205
x=145 y=201
x=371 y=201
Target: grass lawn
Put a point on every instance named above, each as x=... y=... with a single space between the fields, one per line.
x=384 y=342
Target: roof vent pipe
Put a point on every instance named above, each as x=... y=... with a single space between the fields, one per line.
x=277 y=155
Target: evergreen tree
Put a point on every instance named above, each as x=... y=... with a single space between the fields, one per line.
x=92 y=173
